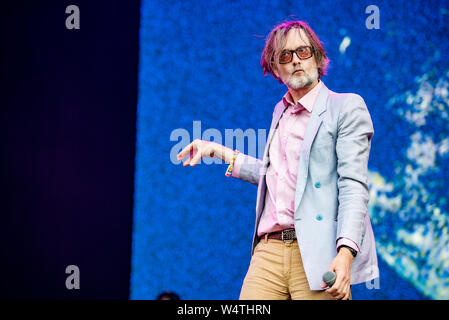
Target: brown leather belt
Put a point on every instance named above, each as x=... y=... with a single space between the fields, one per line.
x=287 y=235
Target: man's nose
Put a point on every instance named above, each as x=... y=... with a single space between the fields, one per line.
x=295 y=59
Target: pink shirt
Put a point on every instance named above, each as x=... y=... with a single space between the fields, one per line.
x=279 y=208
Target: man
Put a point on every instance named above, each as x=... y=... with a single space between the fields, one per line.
x=312 y=197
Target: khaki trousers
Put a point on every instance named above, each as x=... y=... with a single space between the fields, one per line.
x=276 y=273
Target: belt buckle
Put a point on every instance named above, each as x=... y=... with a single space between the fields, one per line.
x=289 y=235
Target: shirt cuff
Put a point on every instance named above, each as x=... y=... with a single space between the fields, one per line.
x=237 y=165
x=347 y=242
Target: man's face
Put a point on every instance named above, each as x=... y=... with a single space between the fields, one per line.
x=297 y=73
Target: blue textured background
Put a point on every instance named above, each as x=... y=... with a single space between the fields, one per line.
x=199 y=61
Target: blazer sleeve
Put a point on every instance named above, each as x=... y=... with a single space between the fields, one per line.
x=353 y=143
x=247 y=168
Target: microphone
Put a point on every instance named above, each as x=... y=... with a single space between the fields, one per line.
x=329 y=278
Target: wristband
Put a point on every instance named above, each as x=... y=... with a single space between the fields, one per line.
x=353 y=252
x=231 y=165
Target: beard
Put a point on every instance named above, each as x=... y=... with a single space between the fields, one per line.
x=297 y=81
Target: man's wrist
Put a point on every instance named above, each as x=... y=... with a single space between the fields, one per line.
x=228 y=154
x=223 y=153
x=347 y=251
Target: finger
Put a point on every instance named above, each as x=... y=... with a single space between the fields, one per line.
x=343 y=291
x=189 y=158
x=186 y=163
x=338 y=295
x=337 y=290
x=335 y=287
x=342 y=294
x=186 y=151
x=332 y=291
x=348 y=291
x=334 y=294
x=196 y=158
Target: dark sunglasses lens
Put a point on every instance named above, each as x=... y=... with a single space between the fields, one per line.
x=304 y=52
x=285 y=57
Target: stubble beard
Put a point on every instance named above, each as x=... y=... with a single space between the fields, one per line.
x=300 y=81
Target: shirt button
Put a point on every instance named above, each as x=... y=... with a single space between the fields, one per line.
x=319 y=217
x=317 y=185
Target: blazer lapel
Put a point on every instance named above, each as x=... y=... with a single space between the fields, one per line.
x=312 y=128
x=280 y=108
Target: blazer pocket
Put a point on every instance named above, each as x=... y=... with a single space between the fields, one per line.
x=322 y=144
x=321 y=152
x=321 y=162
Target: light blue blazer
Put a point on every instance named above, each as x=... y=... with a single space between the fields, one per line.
x=331 y=199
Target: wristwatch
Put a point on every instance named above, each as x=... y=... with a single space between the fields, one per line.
x=354 y=253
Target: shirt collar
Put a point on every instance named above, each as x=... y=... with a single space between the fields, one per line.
x=306 y=102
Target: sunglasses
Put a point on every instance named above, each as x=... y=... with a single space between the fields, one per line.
x=303 y=52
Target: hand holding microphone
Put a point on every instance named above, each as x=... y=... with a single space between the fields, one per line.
x=341 y=265
x=329 y=278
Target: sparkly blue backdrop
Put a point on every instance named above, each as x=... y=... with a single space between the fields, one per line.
x=199 y=70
